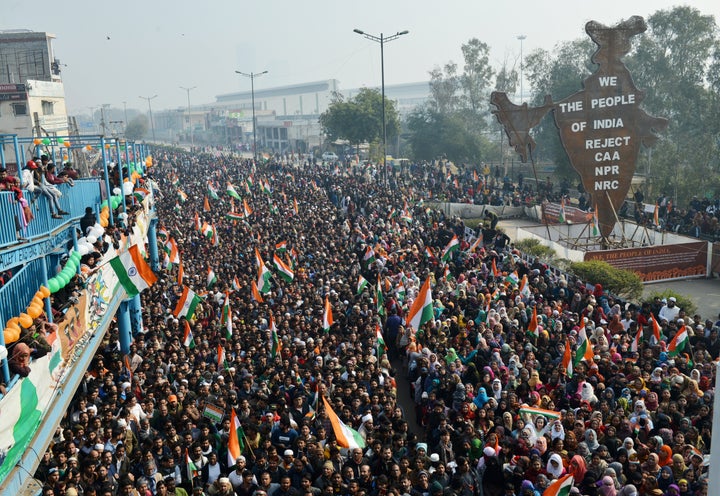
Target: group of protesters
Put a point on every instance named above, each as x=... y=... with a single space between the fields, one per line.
x=336 y=388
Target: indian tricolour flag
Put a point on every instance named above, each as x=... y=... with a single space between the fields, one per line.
x=567 y=359
x=678 y=343
x=171 y=248
x=275 y=345
x=132 y=270
x=221 y=358
x=188 y=339
x=230 y=189
x=379 y=299
x=283 y=269
x=585 y=349
x=346 y=436
x=421 y=310
x=192 y=470
x=263 y=280
x=234 y=216
x=234 y=449
x=186 y=304
x=327 y=316
x=452 y=246
x=180 y=273
x=246 y=209
x=380 y=341
x=369 y=256
x=400 y=292
x=532 y=327
x=207 y=230
x=212 y=191
x=560 y=487
x=524 y=286
x=211 y=277
x=656 y=331
x=281 y=246
x=474 y=245
x=532 y=411
x=496 y=273
x=595 y=223
x=226 y=318
x=256 y=293
x=361 y=284
x=635 y=345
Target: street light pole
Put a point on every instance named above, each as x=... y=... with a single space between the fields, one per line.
x=152 y=123
x=102 y=117
x=125 y=109
x=521 y=38
x=382 y=40
x=192 y=140
x=252 y=77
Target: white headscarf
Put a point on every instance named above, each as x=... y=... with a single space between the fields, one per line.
x=555 y=471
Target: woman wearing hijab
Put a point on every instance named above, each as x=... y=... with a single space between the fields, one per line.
x=620 y=478
x=19 y=361
x=665 y=478
x=629 y=445
x=555 y=467
x=557 y=431
x=577 y=467
x=591 y=440
x=629 y=490
x=678 y=466
x=606 y=486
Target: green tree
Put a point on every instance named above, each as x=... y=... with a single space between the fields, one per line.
x=676 y=64
x=359 y=119
x=558 y=73
x=137 y=128
x=507 y=79
x=476 y=77
x=451 y=124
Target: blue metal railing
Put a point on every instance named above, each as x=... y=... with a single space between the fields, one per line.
x=14 y=298
x=85 y=193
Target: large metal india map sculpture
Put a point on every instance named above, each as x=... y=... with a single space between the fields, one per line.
x=601 y=127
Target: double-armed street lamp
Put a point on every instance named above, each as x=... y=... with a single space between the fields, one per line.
x=152 y=123
x=252 y=77
x=382 y=40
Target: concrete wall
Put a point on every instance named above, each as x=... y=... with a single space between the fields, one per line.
x=470 y=211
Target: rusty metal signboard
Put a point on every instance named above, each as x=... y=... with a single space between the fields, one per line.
x=601 y=126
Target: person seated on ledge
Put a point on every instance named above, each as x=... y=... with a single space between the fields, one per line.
x=19 y=362
x=47 y=189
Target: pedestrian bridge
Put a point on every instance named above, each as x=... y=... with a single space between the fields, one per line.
x=31 y=256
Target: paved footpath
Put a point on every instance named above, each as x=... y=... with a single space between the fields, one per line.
x=704 y=292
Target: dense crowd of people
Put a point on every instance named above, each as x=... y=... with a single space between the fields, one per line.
x=490 y=404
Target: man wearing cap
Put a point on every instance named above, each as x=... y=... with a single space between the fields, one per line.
x=236 y=476
x=223 y=487
x=670 y=310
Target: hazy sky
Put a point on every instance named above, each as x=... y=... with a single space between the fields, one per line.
x=155 y=46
